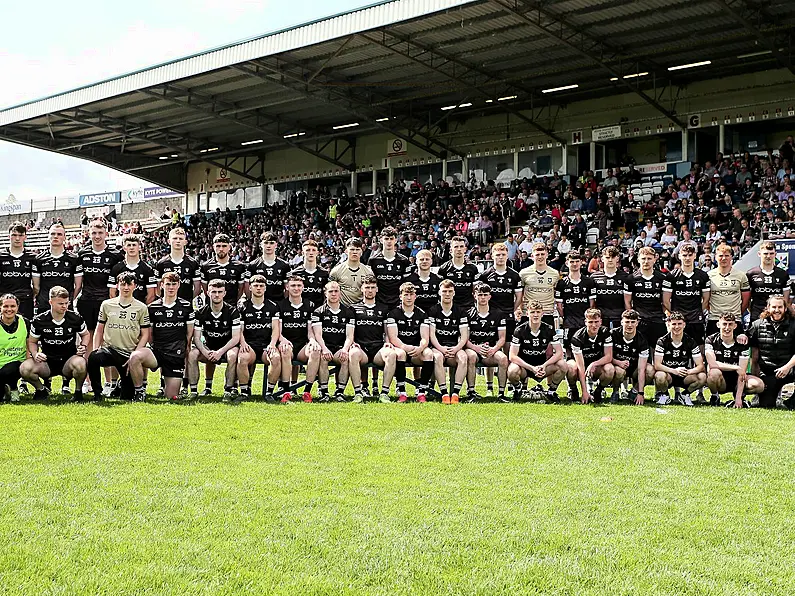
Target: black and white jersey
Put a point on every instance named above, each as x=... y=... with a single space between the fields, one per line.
x=463 y=278
x=408 y=324
x=370 y=320
x=170 y=326
x=295 y=321
x=390 y=273
x=726 y=353
x=96 y=272
x=504 y=287
x=686 y=292
x=676 y=355
x=447 y=324
x=610 y=294
x=145 y=278
x=54 y=271
x=763 y=285
x=188 y=271
x=233 y=274
x=314 y=284
x=647 y=294
x=427 y=290
x=275 y=276
x=629 y=349
x=217 y=327
x=484 y=327
x=533 y=345
x=258 y=323
x=58 y=339
x=334 y=323
x=16 y=274
x=576 y=299
x=591 y=348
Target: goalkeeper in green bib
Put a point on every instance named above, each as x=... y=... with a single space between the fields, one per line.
x=13 y=345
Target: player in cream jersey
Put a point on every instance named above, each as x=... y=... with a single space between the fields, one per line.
x=538 y=281
x=350 y=274
x=730 y=291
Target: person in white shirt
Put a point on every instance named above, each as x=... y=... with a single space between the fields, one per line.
x=564 y=246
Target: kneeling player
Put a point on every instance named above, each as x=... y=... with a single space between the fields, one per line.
x=260 y=334
x=297 y=341
x=592 y=348
x=172 y=322
x=216 y=335
x=630 y=359
x=370 y=344
x=449 y=334
x=529 y=347
x=332 y=326
x=55 y=331
x=727 y=363
x=407 y=330
x=678 y=362
x=486 y=339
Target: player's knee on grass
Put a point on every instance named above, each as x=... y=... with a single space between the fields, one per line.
x=697 y=381
x=661 y=380
x=572 y=371
x=515 y=373
x=75 y=367
x=619 y=374
x=28 y=369
x=754 y=385
x=715 y=381
x=608 y=371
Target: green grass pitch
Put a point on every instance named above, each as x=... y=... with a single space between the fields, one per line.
x=485 y=499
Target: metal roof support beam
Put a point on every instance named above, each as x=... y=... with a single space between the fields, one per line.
x=752 y=18
x=115 y=125
x=583 y=43
x=211 y=106
x=427 y=56
x=357 y=108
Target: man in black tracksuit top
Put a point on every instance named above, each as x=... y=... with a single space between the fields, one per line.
x=772 y=340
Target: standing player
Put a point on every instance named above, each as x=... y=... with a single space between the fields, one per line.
x=678 y=362
x=56 y=267
x=122 y=328
x=351 y=273
x=273 y=268
x=172 y=322
x=54 y=331
x=315 y=277
x=370 y=345
x=259 y=339
x=727 y=365
x=232 y=273
x=96 y=260
x=539 y=282
x=573 y=296
x=13 y=345
x=766 y=280
x=461 y=273
x=449 y=333
x=297 y=341
x=528 y=357
x=178 y=262
x=486 y=340
x=145 y=280
x=408 y=331
x=332 y=326
x=16 y=269
x=220 y=266
x=644 y=294
x=687 y=291
x=425 y=280
x=592 y=347
x=216 y=335
x=390 y=268
x=729 y=290
x=630 y=359
x=609 y=286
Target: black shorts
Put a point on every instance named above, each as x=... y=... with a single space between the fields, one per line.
x=697 y=331
x=89 y=310
x=371 y=350
x=678 y=382
x=652 y=331
x=731 y=380
x=172 y=367
x=258 y=352
x=56 y=366
x=222 y=360
x=26 y=308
